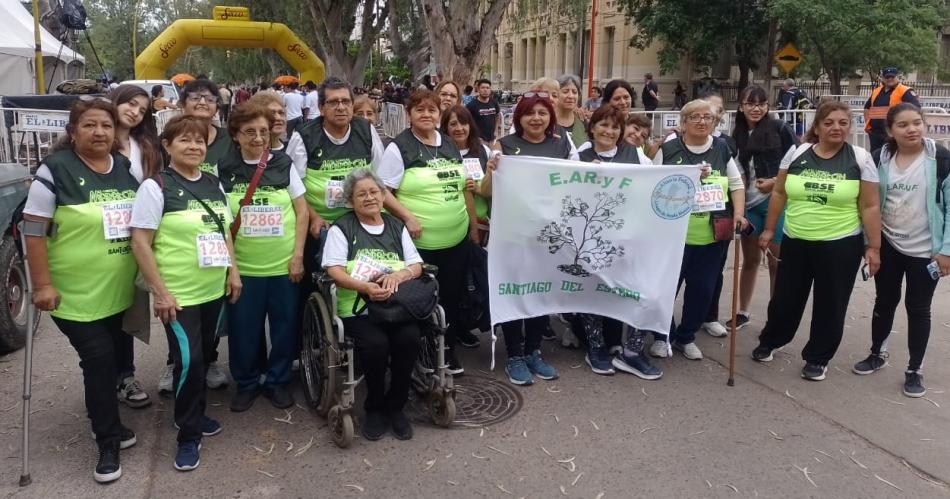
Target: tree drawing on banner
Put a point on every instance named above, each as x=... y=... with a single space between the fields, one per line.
x=589 y=249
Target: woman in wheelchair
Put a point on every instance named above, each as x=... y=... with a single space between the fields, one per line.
x=370 y=253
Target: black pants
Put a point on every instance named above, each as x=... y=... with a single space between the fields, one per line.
x=393 y=346
x=713 y=314
x=920 y=292
x=212 y=354
x=831 y=266
x=124 y=356
x=191 y=341
x=453 y=271
x=292 y=125
x=518 y=342
x=876 y=140
x=95 y=343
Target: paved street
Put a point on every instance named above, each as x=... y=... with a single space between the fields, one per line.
x=582 y=436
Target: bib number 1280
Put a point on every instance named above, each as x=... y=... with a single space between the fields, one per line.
x=212 y=251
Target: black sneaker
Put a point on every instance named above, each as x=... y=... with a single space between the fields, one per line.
x=914 y=384
x=468 y=339
x=108 y=468
x=455 y=367
x=547 y=333
x=742 y=320
x=402 y=429
x=279 y=396
x=762 y=353
x=126 y=437
x=374 y=425
x=874 y=362
x=814 y=372
x=243 y=400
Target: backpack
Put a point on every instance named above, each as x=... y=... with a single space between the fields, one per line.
x=801 y=101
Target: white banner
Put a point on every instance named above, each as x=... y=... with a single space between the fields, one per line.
x=600 y=238
x=42 y=121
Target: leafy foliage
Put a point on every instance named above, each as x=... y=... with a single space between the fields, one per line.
x=589 y=245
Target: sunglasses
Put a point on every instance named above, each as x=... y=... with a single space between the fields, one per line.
x=543 y=95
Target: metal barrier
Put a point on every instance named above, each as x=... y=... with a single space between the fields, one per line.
x=393 y=118
x=162 y=117
x=27 y=134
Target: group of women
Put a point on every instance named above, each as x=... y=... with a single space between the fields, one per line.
x=221 y=226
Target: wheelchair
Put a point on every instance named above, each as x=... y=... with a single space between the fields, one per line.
x=328 y=365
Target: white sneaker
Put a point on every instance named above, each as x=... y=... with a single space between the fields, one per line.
x=569 y=339
x=131 y=393
x=690 y=350
x=715 y=329
x=166 y=379
x=216 y=377
x=660 y=349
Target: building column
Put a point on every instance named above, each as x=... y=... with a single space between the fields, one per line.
x=532 y=52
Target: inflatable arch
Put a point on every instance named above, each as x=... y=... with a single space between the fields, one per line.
x=230 y=27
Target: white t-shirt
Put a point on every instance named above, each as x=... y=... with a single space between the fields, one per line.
x=336 y=247
x=294 y=102
x=313 y=105
x=904 y=215
x=41 y=202
x=149 y=204
x=644 y=159
x=135 y=158
x=391 y=168
x=732 y=170
x=297 y=150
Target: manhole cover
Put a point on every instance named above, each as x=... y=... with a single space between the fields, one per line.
x=479 y=401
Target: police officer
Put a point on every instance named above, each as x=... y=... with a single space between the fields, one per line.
x=891 y=93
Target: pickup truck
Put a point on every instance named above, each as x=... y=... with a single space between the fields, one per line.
x=14 y=185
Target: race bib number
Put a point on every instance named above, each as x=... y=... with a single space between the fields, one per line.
x=115 y=219
x=709 y=197
x=212 y=251
x=368 y=270
x=262 y=221
x=473 y=169
x=333 y=195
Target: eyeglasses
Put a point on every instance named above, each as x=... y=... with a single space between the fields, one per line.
x=755 y=105
x=338 y=103
x=543 y=95
x=697 y=119
x=367 y=194
x=448 y=95
x=196 y=98
x=253 y=134
x=90 y=98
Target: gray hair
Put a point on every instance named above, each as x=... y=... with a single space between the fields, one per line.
x=564 y=79
x=790 y=82
x=356 y=176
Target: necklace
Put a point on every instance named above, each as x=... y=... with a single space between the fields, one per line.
x=432 y=153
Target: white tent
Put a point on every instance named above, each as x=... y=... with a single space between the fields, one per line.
x=17 y=53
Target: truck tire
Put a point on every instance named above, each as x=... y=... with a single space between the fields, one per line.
x=14 y=308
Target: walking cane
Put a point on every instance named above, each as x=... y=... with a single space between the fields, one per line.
x=735 y=304
x=27 y=364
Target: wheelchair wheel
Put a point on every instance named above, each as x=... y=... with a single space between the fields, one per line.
x=318 y=355
x=442 y=409
x=341 y=426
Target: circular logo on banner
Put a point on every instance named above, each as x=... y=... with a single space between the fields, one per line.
x=673 y=197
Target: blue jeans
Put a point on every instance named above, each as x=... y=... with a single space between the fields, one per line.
x=700 y=270
x=276 y=299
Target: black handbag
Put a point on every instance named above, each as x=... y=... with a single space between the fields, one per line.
x=413 y=301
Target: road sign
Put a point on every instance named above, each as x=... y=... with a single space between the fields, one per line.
x=788 y=58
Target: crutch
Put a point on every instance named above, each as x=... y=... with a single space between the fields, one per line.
x=736 y=239
x=27 y=364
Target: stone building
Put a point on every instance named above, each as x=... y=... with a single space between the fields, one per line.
x=530 y=45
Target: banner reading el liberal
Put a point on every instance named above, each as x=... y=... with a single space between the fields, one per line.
x=582 y=237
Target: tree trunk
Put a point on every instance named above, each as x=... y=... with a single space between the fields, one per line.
x=770 y=53
x=459 y=42
x=743 y=75
x=334 y=23
x=415 y=50
x=834 y=74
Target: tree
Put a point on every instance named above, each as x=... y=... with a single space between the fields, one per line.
x=460 y=34
x=336 y=22
x=410 y=44
x=849 y=35
x=588 y=246
x=698 y=30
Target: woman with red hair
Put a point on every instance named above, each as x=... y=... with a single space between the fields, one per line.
x=535 y=127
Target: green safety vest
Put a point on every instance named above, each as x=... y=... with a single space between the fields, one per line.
x=329 y=162
x=93 y=272
x=823 y=196
x=700 y=231
x=261 y=252
x=385 y=249
x=432 y=190
x=176 y=240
